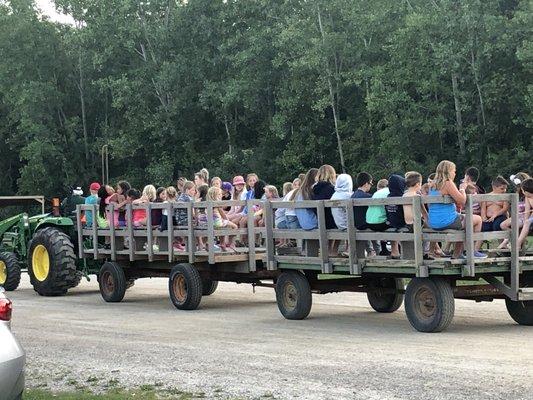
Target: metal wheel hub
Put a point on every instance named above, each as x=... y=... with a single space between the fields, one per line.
x=290 y=296
x=3 y=272
x=425 y=303
x=108 y=282
x=40 y=261
x=179 y=287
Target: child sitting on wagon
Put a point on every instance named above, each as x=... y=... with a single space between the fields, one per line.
x=220 y=221
x=181 y=219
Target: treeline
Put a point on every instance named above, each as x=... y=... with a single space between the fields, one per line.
x=270 y=86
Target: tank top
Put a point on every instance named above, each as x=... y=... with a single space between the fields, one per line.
x=440 y=214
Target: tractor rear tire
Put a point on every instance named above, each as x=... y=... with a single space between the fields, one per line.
x=112 y=282
x=185 y=287
x=385 y=302
x=9 y=271
x=52 y=263
x=209 y=287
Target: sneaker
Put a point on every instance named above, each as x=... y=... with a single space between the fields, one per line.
x=478 y=254
x=155 y=248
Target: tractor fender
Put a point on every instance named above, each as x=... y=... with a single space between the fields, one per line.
x=60 y=223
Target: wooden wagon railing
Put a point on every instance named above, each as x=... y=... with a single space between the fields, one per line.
x=316 y=241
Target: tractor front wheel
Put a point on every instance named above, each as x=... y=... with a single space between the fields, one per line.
x=9 y=271
x=52 y=263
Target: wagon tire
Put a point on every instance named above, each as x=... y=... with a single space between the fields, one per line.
x=9 y=271
x=293 y=295
x=209 y=287
x=52 y=262
x=185 y=287
x=429 y=304
x=522 y=311
x=112 y=282
x=385 y=302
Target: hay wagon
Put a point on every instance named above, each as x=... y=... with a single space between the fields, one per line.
x=428 y=287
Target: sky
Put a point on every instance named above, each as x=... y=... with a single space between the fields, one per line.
x=48 y=9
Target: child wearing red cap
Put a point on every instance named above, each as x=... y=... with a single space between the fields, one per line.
x=92 y=199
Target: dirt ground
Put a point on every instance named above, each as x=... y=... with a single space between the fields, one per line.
x=237 y=345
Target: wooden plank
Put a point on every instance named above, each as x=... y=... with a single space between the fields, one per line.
x=149 y=236
x=469 y=269
x=210 y=235
x=95 y=232
x=478 y=198
x=323 y=239
x=444 y=237
x=492 y=235
x=80 y=232
x=268 y=217
x=131 y=240
x=300 y=260
x=170 y=231
x=113 y=238
x=421 y=270
x=295 y=234
x=191 y=244
x=515 y=250
x=355 y=268
x=251 y=236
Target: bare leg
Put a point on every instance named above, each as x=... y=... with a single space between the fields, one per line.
x=395 y=249
x=243 y=223
x=334 y=247
x=524 y=233
x=477 y=222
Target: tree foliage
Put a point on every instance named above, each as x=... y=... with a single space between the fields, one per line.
x=271 y=86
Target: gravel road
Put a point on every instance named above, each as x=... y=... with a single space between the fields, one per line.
x=237 y=345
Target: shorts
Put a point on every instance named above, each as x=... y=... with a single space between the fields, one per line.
x=378 y=227
x=220 y=223
x=456 y=225
x=292 y=222
x=282 y=224
x=494 y=225
x=202 y=221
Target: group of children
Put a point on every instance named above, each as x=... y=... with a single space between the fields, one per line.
x=318 y=184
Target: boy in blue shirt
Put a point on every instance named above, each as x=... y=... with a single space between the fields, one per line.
x=92 y=199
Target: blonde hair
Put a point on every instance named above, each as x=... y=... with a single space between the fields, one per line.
x=188 y=185
x=216 y=178
x=171 y=193
x=150 y=192
x=250 y=175
x=272 y=189
x=287 y=187
x=382 y=184
x=442 y=174
x=203 y=174
x=327 y=173
x=212 y=193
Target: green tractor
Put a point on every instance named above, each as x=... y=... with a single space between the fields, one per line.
x=47 y=244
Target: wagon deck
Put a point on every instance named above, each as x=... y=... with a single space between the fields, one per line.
x=506 y=273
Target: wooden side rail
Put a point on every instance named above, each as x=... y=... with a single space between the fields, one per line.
x=316 y=240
